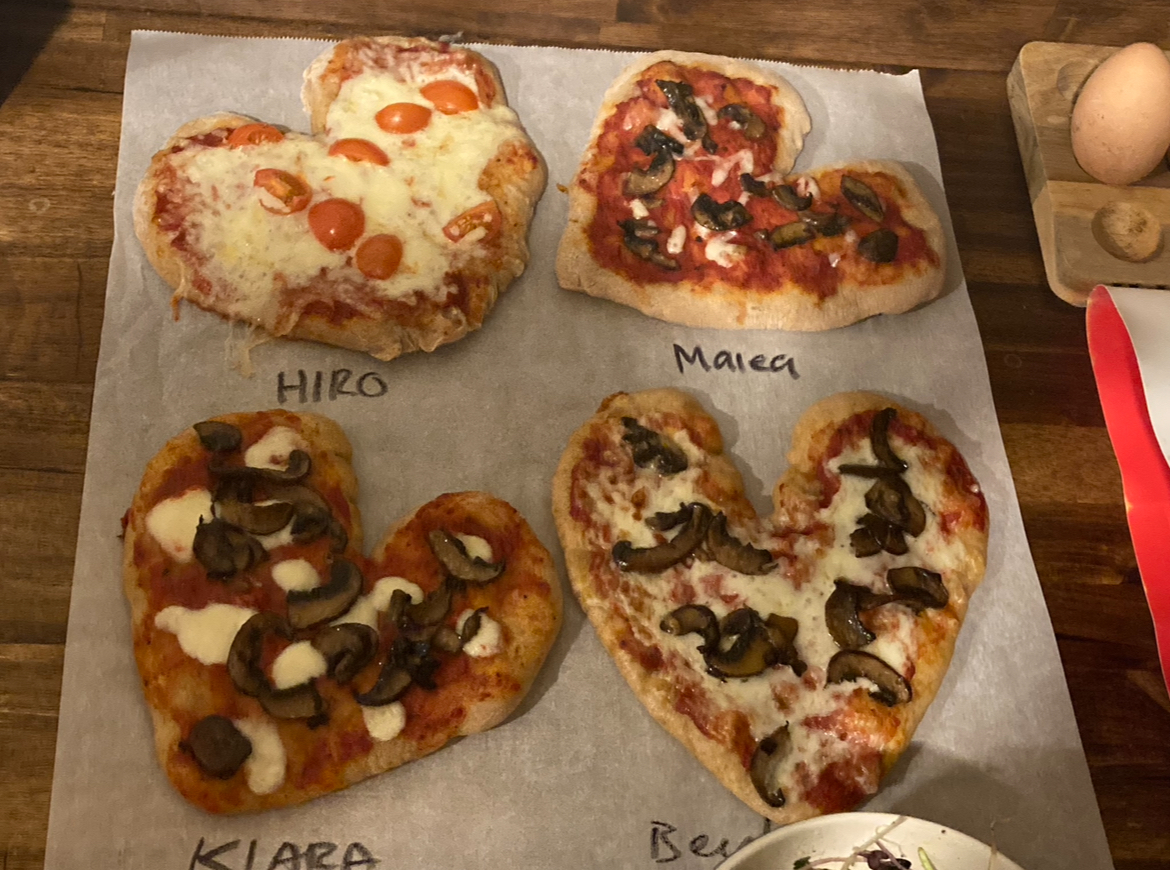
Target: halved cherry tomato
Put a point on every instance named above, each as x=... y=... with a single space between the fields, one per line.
x=403 y=117
x=379 y=256
x=253 y=134
x=359 y=151
x=291 y=194
x=451 y=97
x=337 y=223
x=484 y=216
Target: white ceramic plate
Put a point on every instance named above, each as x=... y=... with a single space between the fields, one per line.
x=837 y=836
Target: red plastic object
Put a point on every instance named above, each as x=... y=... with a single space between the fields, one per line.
x=1145 y=476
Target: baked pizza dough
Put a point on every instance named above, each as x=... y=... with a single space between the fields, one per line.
x=793 y=655
x=278 y=662
x=392 y=228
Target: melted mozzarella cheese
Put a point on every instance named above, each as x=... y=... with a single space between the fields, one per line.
x=264 y=768
x=295 y=575
x=274 y=448
x=368 y=608
x=173 y=522
x=487 y=641
x=297 y=663
x=723 y=252
x=678 y=237
x=252 y=257
x=385 y=722
x=476 y=547
x=205 y=634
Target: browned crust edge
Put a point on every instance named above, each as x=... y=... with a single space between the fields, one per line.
x=810 y=435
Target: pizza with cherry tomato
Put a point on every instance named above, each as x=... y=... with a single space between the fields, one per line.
x=793 y=655
x=392 y=228
x=685 y=208
x=279 y=662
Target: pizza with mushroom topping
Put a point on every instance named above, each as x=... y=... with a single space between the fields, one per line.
x=392 y=228
x=685 y=208
x=793 y=655
x=278 y=662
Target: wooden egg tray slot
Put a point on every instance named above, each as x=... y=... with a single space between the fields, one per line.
x=1085 y=227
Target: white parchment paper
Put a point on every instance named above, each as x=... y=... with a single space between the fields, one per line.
x=582 y=776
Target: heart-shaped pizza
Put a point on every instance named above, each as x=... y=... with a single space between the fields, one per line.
x=278 y=662
x=685 y=208
x=794 y=655
x=392 y=228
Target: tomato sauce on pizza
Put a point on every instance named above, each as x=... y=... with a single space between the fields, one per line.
x=793 y=655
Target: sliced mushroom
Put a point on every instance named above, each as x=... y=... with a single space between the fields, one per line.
x=782 y=631
x=329 y=600
x=652 y=141
x=299 y=466
x=748 y=121
x=849 y=665
x=732 y=553
x=452 y=555
x=312 y=517
x=396 y=610
x=217 y=746
x=471 y=625
x=786 y=195
x=653 y=449
x=654 y=560
x=880 y=246
x=347 y=648
x=218 y=437
x=693 y=618
x=892 y=500
x=642 y=182
x=862 y=197
x=842 y=616
x=243 y=662
x=827 y=224
x=681 y=98
x=645 y=247
x=876 y=534
x=753 y=185
x=418 y=662
x=448 y=639
x=879 y=439
x=789 y=235
x=257 y=519
x=225 y=550
x=719 y=216
x=433 y=609
x=297 y=702
x=857 y=469
x=770 y=753
x=664 y=521
x=752 y=651
x=392 y=683
x=919 y=583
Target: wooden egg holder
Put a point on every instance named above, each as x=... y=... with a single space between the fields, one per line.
x=1075 y=214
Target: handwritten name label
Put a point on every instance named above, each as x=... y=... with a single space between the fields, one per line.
x=287 y=856
x=734 y=361
x=322 y=386
x=667 y=843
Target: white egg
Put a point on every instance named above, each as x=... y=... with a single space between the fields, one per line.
x=1121 y=120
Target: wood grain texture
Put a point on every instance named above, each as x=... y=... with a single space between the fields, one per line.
x=64 y=67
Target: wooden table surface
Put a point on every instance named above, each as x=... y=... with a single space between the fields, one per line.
x=61 y=72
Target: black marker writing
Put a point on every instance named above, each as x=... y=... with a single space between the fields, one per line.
x=726 y=360
x=288 y=856
x=663 y=849
x=328 y=386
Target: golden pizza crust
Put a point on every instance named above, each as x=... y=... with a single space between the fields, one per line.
x=525 y=600
x=798 y=487
x=724 y=305
x=514 y=178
